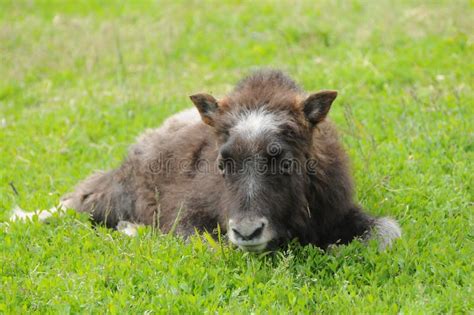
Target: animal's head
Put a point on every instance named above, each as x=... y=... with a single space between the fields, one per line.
x=264 y=130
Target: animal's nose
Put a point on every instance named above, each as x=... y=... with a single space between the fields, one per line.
x=248 y=229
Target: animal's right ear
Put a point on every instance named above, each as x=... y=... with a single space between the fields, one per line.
x=206 y=105
x=317 y=105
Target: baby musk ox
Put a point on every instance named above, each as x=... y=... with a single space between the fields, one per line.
x=263 y=163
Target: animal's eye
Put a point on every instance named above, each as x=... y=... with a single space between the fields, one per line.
x=285 y=166
x=225 y=153
x=221 y=166
x=226 y=166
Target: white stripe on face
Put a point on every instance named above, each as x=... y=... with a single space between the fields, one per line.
x=251 y=182
x=252 y=126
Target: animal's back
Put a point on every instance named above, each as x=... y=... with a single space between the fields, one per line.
x=165 y=171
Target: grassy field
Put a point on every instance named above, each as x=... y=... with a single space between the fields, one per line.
x=79 y=80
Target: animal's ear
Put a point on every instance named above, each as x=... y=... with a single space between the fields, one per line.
x=206 y=105
x=317 y=105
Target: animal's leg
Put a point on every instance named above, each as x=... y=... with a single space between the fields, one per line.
x=19 y=214
x=358 y=224
x=104 y=196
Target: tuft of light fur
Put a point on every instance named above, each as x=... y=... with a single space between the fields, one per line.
x=128 y=228
x=255 y=124
x=385 y=231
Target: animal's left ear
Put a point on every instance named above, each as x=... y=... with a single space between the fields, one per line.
x=317 y=105
x=206 y=105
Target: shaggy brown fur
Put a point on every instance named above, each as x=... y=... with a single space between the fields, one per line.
x=176 y=172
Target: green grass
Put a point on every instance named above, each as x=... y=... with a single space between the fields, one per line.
x=79 y=80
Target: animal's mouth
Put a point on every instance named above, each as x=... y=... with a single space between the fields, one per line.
x=253 y=247
x=258 y=245
x=249 y=246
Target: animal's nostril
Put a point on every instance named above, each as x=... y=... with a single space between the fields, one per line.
x=256 y=233
x=238 y=233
